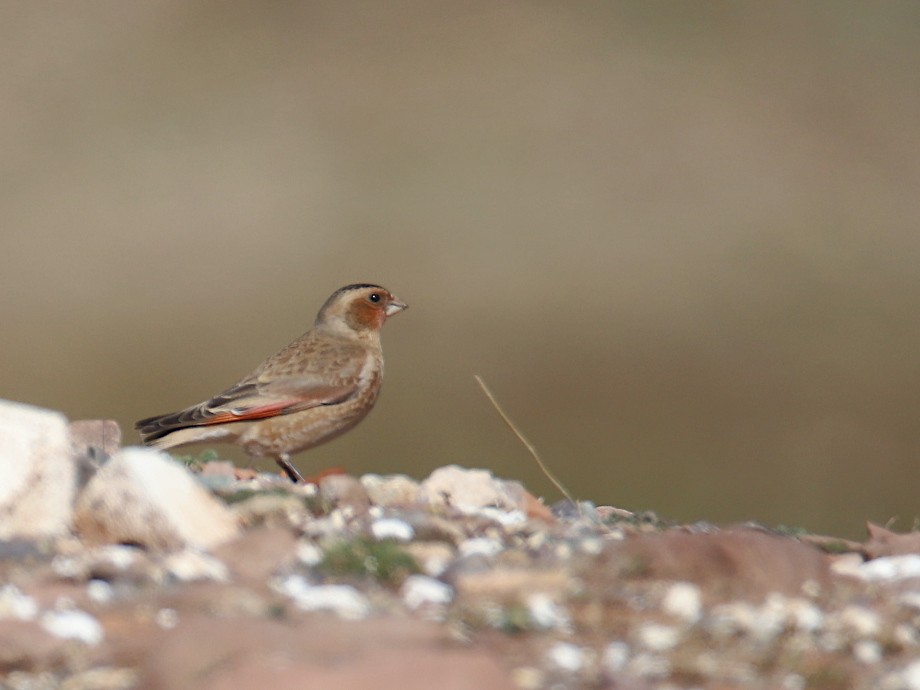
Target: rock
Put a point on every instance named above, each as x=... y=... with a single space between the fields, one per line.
x=96 y=438
x=142 y=496
x=345 y=492
x=884 y=542
x=391 y=490
x=468 y=490
x=258 y=553
x=94 y=442
x=39 y=472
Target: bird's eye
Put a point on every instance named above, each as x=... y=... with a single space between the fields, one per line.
x=374 y=297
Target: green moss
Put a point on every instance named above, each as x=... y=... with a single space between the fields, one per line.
x=384 y=561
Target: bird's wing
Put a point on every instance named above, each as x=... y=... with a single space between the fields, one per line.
x=282 y=385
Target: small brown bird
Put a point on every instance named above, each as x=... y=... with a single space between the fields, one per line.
x=316 y=388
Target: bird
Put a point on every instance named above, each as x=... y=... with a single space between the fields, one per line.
x=311 y=391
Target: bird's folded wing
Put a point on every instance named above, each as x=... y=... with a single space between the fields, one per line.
x=258 y=401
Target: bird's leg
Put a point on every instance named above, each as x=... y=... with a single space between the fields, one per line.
x=284 y=460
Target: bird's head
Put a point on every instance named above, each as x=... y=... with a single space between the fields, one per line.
x=362 y=307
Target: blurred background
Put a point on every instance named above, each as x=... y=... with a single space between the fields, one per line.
x=679 y=241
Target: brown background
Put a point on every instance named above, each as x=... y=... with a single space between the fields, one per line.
x=679 y=240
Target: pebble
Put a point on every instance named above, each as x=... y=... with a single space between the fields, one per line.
x=343 y=600
x=657 y=637
x=420 y=590
x=392 y=528
x=684 y=601
x=546 y=613
x=480 y=546
x=17 y=605
x=567 y=657
x=189 y=565
x=73 y=625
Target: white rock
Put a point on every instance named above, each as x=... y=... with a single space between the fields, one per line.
x=867 y=651
x=567 y=657
x=658 y=638
x=143 y=496
x=343 y=600
x=392 y=528
x=309 y=553
x=891 y=568
x=546 y=613
x=390 y=490
x=911 y=676
x=420 y=590
x=191 y=564
x=467 y=490
x=480 y=546
x=73 y=625
x=100 y=591
x=38 y=467
x=17 y=605
x=684 y=601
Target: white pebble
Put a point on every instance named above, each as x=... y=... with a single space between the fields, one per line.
x=891 y=568
x=100 y=591
x=190 y=565
x=546 y=613
x=73 y=625
x=506 y=518
x=658 y=638
x=683 y=600
x=309 y=553
x=15 y=604
x=343 y=600
x=567 y=657
x=421 y=590
x=392 y=528
x=480 y=546
x=867 y=651
x=911 y=676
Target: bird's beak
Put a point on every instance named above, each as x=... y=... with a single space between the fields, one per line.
x=395 y=306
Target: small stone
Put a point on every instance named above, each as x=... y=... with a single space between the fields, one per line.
x=867 y=651
x=73 y=625
x=546 y=613
x=392 y=528
x=190 y=565
x=344 y=492
x=16 y=605
x=343 y=600
x=143 y=496
x=38 y=467
x=891 y=568
x=96 y=439
x=392 y=490
x=684 y=601
x=433 y=557
x=467 y=489
x=567 y=657
x=658 y=638
x=480 y=546
x=420 y=590
x=911 y=676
